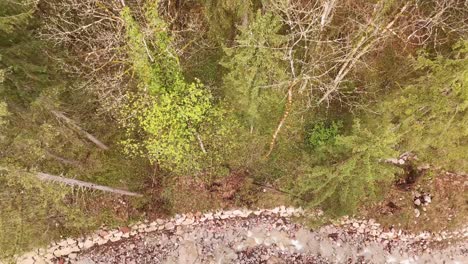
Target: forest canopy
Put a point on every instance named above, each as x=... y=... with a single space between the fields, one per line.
x=315 y=99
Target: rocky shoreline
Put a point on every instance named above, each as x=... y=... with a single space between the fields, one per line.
x=254 y=236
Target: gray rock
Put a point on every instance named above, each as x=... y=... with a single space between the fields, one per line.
x=417 y=213
x=71 y=241
x=63 y=243
x=63 y=251
x=26 y=260
x=417 y=202
x=87 y=244
x=114 y=239
x=427 y=199
x=85 y=261
x=169 y=226
x=188 y=253
x=40 y=261
x=188 y=221
x=275 y=260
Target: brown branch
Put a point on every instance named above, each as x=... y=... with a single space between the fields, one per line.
x=283 y=119
x=200 y=142
x=71 y=182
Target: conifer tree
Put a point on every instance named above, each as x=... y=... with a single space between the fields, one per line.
x=431 y=114
x=224 y=16
x=15 y=15
x=352 y=171
x=254 y=63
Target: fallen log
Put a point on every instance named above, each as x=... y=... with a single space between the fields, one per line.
x=78 y=183
x=90 y=137
x=63 y=160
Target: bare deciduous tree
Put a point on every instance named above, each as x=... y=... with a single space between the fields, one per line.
x=92 y=33
x=322 y=53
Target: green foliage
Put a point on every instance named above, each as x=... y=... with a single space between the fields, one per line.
x=431 y=114
x=31 y=211
x=175 y=125
x=23 y=63
x=152 y=56
x=321 y=133
x=224 y=15
x=15 y=15
x=255 y=61
x=2 y=74
x=3 y=113
x=173 y=112
x=352 y=173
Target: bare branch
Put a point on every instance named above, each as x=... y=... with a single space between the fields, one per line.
x=283 y=119
x=63 y=160
x=90 y=137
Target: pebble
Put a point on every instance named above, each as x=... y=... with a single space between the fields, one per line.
x=417 y=202
x=427 y=199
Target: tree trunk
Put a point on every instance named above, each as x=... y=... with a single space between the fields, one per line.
x=283 y=119
x=73 y=182
x=90 y=137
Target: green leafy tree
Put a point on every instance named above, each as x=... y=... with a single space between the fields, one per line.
x=168 y=113
x=322 y=134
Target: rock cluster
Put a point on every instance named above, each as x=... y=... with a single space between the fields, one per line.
x=421 y=201
x=246 y=236
x=69 y=248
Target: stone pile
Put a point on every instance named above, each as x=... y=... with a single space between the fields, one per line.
x=420 y=201
x=69 y=248
x=251 y=236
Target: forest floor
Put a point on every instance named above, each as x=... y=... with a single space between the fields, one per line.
x=446 y=210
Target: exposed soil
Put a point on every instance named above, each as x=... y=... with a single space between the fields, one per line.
x=447 y=210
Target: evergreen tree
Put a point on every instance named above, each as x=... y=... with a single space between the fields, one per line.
x=15 y=15
x=224 y=16
x=351 y=171
x=253 y=63
x=431 y=114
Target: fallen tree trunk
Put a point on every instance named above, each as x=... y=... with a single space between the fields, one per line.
x=90 y=137
x=63 y=160
x=78 y=183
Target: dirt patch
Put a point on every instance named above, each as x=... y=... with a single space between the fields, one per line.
x=409 y=178
x=191 y=194
x=447 y=210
